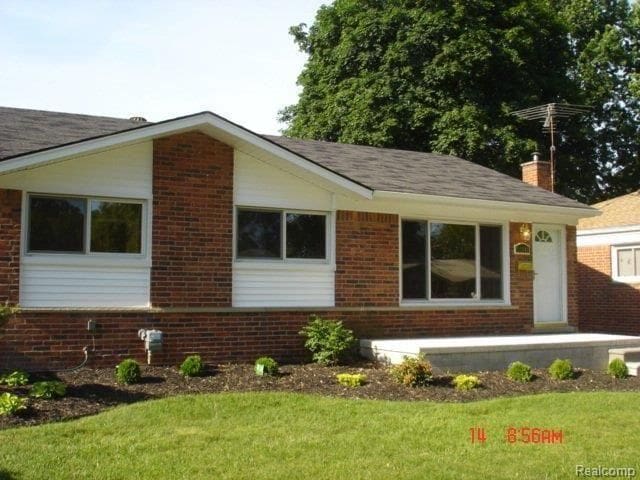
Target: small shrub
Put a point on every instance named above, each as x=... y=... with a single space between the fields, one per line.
x=561 y=369
x=11 y=404
x=192 y=366
x=351 y=379
x=618 y=369
x=48 y=390
x=413 y=371
x=519 y=372
x=6 y=311
x=266 y=366
x=466 y=382
x=15 y=379
x=128 y=371
x=327 y=339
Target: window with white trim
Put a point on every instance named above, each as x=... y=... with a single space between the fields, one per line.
x=626 y=263
x=281 y=234
x=84 y=225
x=443 y=261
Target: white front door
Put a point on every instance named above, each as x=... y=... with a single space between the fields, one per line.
x=549 y=270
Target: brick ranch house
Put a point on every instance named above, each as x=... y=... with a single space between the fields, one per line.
x=609 y=267
x=227 y=241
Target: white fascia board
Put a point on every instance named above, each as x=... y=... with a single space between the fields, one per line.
x=572 y=214
x=605 y=230
x=226 y=131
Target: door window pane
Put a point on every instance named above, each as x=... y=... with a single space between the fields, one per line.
x=306 y=236
x=259 y=234
x=453 y=264
x=56 y=224
x=116 y=227
x=414 y=258
x=491 y=262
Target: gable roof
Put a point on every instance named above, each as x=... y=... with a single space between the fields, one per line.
x=27 y=132
x=616 y=212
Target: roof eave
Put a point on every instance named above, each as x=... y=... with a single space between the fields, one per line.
x=206 y=121
x=574 y=212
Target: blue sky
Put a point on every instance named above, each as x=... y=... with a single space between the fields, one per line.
x=156 y=59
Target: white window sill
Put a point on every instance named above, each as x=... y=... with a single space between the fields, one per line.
x=87 y=260
x=443 y=304
x=283 y=265
x=628 y=280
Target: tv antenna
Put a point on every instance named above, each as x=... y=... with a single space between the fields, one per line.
x=548 y=115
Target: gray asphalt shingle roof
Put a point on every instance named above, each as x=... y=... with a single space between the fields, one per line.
x=23 y=131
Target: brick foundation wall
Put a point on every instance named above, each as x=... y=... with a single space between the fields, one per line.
x=605 y=306
x=54 y=340
x=367 y=259
x=192 y=221
x=10 y=214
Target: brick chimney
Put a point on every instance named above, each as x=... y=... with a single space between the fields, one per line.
x=537 y=172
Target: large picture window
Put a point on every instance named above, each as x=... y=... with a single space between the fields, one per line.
x=280 y=234
x=62 y=225
x=451 y=261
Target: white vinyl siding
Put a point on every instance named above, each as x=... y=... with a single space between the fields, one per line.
x=96 y=280
x=62 y=285
x=261 y=185
x=288 y=286
x=269 y=283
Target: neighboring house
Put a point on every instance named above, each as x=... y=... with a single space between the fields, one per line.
x=227 y=241
x=609 y=267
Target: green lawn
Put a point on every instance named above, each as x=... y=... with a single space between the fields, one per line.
x=283 y=435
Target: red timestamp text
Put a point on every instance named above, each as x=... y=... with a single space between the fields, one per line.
x=533 y=435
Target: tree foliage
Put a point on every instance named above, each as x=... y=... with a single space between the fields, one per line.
x=444 y=76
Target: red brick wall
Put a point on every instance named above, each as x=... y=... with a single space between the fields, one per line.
x=192 y=221
x=10 y=213
x=53 y=340
x=537 y=173
x=572 y=277
x=521 y=281
x=367 y=260
x=605 y=305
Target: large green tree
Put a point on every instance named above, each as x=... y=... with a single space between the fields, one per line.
x=444 y=75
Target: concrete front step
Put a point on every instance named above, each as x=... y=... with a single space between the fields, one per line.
x=468 y=354
x=633 y=367
x=630 y=356
x=625 y=354
x=553 y=328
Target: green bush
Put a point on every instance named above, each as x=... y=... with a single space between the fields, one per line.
x=48 y=390
x=11 y=404
x=413 y=371
x=192 y=366
x=351 y=379
x=15 y=379
x=327 y=339
x=618 y=369
x=266 y=366
x=519 y=372
x=466 y=382
x=128 y=371
x=561 y=369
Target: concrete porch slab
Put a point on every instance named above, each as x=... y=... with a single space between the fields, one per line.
x=468 y=354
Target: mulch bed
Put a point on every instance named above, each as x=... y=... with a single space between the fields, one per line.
x=90 y=391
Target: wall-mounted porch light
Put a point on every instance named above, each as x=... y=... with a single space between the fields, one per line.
x=525 y=232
